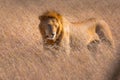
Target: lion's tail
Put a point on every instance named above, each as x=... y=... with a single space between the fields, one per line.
x=104 y=33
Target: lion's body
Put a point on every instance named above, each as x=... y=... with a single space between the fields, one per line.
x=95 y=30
x=92 y=31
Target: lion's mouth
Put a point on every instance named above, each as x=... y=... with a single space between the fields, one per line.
x=49 y=41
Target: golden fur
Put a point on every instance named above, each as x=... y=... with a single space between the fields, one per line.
x=93 y=31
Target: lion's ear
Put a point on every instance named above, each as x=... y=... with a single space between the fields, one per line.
x=41 y=18
x=58 y=14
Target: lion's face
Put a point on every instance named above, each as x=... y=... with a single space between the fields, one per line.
x=50 y=27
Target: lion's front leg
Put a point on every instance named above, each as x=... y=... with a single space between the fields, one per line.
x=65 y=45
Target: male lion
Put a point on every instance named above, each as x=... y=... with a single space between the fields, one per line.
x=55 y=31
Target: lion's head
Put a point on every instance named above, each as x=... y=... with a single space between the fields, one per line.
x=51 y=26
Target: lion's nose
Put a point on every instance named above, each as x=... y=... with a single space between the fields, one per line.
x=47 y=36
x=52 y=34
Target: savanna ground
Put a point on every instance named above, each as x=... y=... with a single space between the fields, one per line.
x=21 y=54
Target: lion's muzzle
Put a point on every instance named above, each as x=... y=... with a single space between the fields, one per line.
x=51 y=37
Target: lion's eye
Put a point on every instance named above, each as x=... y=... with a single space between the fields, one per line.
x=56 y=25
x=49 y=25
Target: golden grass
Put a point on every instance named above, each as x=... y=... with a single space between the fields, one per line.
x=21 y=54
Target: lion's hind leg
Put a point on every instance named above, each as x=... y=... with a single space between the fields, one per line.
x=104 y=34
x=93 y=42
x=92 y=46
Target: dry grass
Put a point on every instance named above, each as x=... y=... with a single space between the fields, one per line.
x=21 y=54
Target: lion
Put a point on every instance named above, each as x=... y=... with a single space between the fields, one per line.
x=55 y=31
